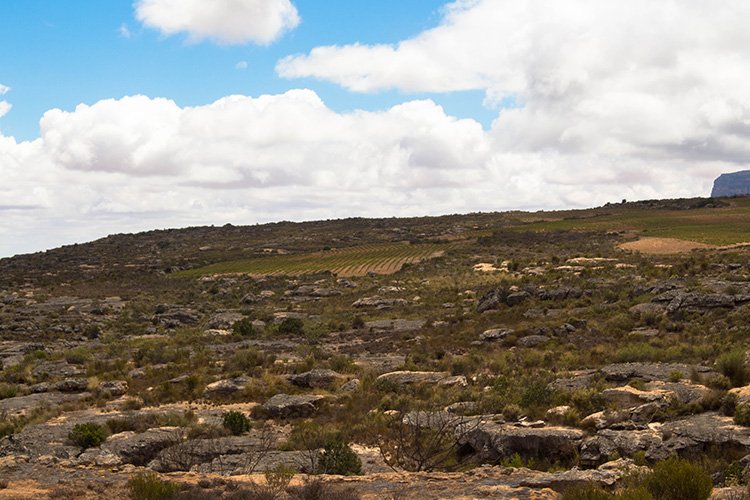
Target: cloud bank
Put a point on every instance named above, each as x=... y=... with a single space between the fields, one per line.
x=654 y=80
x=596 y=102
x=224 y=21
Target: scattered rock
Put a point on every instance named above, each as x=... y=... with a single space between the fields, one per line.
x=225 y=389
x=316 y=378
x=495 y=334
x=532 y=340
x=223 y=320
x=492 y=299
x=114 y=387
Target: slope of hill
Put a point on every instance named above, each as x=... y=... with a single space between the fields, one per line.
x=433 y=344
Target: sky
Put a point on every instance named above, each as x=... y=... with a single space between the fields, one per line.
x=124 y=116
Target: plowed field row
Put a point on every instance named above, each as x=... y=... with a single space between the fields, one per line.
x=355 y=261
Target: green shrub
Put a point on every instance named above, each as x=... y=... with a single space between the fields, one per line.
x=338 y=458
x=236 y=422
x=742 y=415
x=677 y=479
x=8 y=390
x=78 y=355
x=87 y=435
x=243 y=327
x=732 y=365
x=148 y=486
x=291 y=326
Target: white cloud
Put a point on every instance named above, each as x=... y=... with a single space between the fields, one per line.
x=4 y=105
x=124 y=31
x=241 y=65
x=653 y=80
x=223 y=21
x=4 y=108
x=139 y=163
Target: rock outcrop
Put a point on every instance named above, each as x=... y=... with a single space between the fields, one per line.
x=735 y=183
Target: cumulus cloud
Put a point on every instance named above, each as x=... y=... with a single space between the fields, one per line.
x=223 y=21
x=137 y=163
x=654 y=80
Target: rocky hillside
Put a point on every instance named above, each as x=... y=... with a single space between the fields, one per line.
x=532 y=355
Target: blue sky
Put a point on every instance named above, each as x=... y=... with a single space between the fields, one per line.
x=125 y=116
x=67 y=53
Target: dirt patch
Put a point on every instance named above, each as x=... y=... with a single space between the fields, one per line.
x=663 y=246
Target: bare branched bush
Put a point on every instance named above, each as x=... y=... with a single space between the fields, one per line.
x=422 y=440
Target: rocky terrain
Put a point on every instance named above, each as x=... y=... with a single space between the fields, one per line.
x=522 y=361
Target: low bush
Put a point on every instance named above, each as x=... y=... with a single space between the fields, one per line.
x=732 y=366
x=742 y=415
x=338 y=458
x=676 y=479
x=291 y=326
x=87 y=435
x=148 y=486
x=236 y=422
x=243 y=327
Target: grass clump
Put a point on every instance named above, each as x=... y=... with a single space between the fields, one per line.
x=148 y=486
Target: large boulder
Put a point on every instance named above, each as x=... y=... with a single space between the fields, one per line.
x=291 y=406
x=140 y=449
x=494 y=441
x=693 y=436
x=492 y=299
x=176 y=318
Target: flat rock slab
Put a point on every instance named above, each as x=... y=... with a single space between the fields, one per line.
x=494 y=441
x=407 y=377
x=623 y=372
x=22 y=405
x=316 y=378
x=291 y=406
x=395 y=324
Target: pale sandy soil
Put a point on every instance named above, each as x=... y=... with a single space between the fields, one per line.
x=663 y=246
